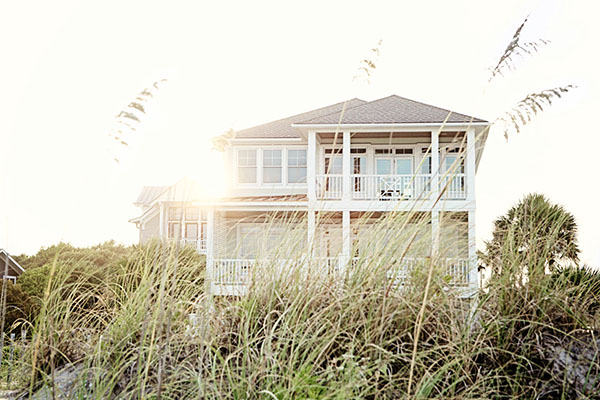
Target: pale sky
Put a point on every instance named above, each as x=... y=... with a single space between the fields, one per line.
x=68 y=67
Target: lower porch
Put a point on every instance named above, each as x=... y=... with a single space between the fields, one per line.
x=233 y=276
x=335 y=244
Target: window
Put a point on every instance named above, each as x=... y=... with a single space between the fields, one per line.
x=296 y=166
x=333 y=165
x=384 y=166
x=191 y=231
x=247 y=166
x=404 y=166
x=426 y=165
x=174 y=230
x=383 y=151
x=175 y=213
x=192 y=213
x=455 y=164
x=272 y=166
x=404 y=151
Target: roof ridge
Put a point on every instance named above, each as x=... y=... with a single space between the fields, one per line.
x=339 y=111
x=430 y=105
x=369 y=103
x=164 y=188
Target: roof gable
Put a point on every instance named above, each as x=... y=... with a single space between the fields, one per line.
x=283 y=128
x=149 y=194
x=185 y=189
x=392 y=110
x=14 y=269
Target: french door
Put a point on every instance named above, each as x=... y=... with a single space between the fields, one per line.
x=396 y=176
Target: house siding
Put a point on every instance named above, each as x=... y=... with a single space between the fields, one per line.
x=150 y=230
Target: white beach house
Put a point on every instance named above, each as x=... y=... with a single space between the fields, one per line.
x=353 y=161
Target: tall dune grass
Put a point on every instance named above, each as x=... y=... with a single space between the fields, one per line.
x=301 y=331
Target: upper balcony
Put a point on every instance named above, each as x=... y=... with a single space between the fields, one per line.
x=404 y=166
x=359 y=167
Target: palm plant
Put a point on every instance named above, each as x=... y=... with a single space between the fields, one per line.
x=536 y=234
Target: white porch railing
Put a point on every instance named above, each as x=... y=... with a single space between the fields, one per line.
x=400 y=273
x=332 y=265
x=457 y=270
x=454 y=187
x=391 y=187
x=232 y=271
x=329 y=187
x=239 y=271
x=199 y=244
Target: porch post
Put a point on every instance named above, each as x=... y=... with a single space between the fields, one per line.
x=311 y=166
x=161 y=220
x=310 y=238
x=473 y=273
x=470 y=165
x=435 y=234
x=435 y=164
x=346 y=160
x=346 y=240
x=210 y=251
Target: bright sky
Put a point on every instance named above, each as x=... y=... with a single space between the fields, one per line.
x=69 y=67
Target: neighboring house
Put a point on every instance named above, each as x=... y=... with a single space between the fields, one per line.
x=10 y=265
x=167 y=212
x=346 y=160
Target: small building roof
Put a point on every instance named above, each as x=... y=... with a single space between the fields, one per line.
x=185 y=189
x=14 y=269
x=149 y=194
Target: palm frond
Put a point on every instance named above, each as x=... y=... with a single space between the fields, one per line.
x=220 y=142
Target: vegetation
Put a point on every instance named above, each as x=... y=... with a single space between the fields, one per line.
x=142 y=326
x=539 y=236
x=148 y=330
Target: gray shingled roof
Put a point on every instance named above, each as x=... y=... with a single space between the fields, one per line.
x=392 y=110
x=283 y=128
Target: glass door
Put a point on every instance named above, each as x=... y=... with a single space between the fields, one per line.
x=404 y=166
x=404 y=180
x=359 y=166
x=454 y=179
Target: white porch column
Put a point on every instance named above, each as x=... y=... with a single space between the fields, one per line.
x=346 y=167
x=311 y=166
x=161 y=220
x=473 y=273
x=435 y=234
x=346 y=239
x=210 y=250
x=310 y=238
x=435 y=164
x=470 y=165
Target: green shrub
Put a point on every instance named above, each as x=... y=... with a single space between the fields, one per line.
x=20 y=308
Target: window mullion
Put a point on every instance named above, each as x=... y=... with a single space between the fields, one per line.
x=284 y=166
x=259 y=166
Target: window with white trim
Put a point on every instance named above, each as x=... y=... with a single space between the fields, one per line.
x=272 y=166
x=296 y=166
x=247 y=166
